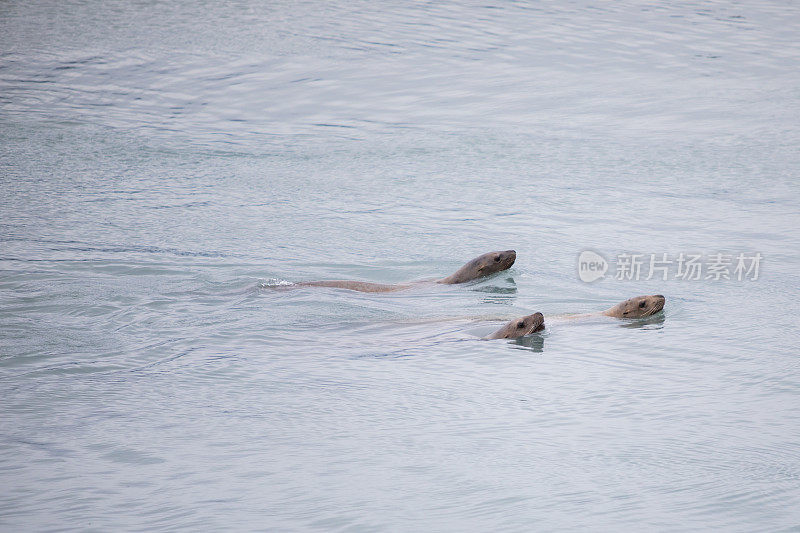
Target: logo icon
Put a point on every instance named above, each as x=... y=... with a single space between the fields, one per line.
x=591 y=266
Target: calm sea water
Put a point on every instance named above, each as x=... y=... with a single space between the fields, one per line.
x=163 y=163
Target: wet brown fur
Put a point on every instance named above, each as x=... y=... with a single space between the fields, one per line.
x=519 y=327
x=637 y=307
x=479 y=267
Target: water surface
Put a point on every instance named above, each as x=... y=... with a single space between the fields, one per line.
x=162 y=164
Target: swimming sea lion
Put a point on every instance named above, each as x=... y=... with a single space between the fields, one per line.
x=637 y=307
x=519 y=327
x=481 y=266
x=362 y=286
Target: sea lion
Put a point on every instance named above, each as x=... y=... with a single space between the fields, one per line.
x=637 y=307
x=362 y=286
x=483 y=265
x=519 y=327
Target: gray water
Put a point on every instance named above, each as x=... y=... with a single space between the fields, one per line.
x=165 y=165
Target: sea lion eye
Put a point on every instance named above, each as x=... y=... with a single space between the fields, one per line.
x=497 y=259
x=641 y=305
x=521 y=325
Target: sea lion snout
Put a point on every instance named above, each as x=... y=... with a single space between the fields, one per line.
x=508 y=257
x=503 y=260
x=649 y=305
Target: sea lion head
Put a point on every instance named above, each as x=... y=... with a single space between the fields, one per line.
x=520 y=327
x=638 y=307
x=493 y=262
x=483 y=265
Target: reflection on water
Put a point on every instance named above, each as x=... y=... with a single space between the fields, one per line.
x=534 y=342
x=655 y=321
x=164 y=165
x=494 y=287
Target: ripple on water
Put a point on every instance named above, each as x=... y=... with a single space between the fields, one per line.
x=166 y=175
